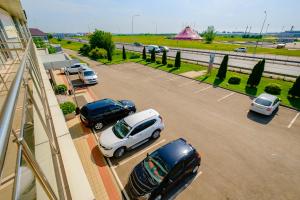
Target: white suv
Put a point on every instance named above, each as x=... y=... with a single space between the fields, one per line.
x=131 y=132
x=88 y=76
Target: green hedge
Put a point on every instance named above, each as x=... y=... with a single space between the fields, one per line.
x=67 y=107
x=60 y=89
x=273 y=88
x=234 y=80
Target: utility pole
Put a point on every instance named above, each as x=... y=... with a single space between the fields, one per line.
x=262 y=27
x=132 y=17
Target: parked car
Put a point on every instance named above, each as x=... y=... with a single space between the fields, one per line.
x=241 y=49
x=163 y=170
x=88 y=76
x=75 y=68
x=265 y=104
x=137 y=44
x=97 y=114
x=280 y=46
x=131 y=132
x=149 y=48
x=164 y=48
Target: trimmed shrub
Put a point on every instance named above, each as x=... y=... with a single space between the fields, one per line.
x=177 y=60
x=148 y=60
x=97 y=53
x=144 y=54
x=164 y=57
x=124 y=53
x=85 y=49
x=134 y=56
x=51 y=49
x=234 y=80
x=170 y=65
x=60 y=89
x=59 y=39
x=256 y=74
x=153 y=58
x=69 y=42
x=273 y=88
x=67 y=107
x=158 y=62
x=295 y=89
x=223 y=68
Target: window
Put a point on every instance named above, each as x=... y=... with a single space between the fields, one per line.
x=275 y=102
x=143 y=126
x=114 y=108
x=263 y=102
x=177 y=171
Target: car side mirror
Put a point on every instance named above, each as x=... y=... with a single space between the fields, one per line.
x=147 y=154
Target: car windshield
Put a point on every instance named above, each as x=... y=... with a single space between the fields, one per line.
x=121 y=129
x=264 y=102
x=89 y=73
x=156 y=166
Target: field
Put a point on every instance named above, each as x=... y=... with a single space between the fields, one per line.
x=217 y=45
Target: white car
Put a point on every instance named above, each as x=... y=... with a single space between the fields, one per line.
x=75 y=68
x=88 y=76
x=149 y=48
x=241 y=49
x=131 y=132
x=265 y=104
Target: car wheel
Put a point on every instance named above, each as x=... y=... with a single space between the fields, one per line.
x=98 y=126
x=119 y=152
x=158 y=197
x=155 y=134
x=195 y=169
x=131 y=113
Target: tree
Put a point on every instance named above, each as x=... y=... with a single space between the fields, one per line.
x=124 y=53
x=144 y=54
x=295 y=89
x=50 y=36
x=209 y=35
x=103 y=40
x=164 y=57
x=109 y=55
x=153 y=55
x=85 y=49
x=256 y=74
x=177 y=60
x=223 y=68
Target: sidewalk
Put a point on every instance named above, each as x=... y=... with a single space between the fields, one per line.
x=97 y=170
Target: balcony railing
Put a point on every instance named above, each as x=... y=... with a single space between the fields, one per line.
x=26 y=125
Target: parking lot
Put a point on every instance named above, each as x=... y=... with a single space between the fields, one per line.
x=244 y=155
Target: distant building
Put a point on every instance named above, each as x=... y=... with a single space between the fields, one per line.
x=188 y=34
x=58 y=35
x=37 y=33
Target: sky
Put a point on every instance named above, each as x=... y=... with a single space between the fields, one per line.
x=161 y=16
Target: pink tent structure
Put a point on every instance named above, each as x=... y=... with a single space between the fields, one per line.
x=188 y=34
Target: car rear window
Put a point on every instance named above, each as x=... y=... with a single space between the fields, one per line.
x=89 y=73
x=263 y=102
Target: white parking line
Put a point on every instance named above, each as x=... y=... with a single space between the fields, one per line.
x=203 y=89
x=118 y=180
x=136 y=155
x=293 y=120
x=186 y=83
x=226 y=96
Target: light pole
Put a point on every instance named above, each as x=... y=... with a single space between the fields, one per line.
x=132 y=17
x=262 y=27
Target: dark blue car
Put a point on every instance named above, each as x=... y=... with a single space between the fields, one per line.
x=162 y=170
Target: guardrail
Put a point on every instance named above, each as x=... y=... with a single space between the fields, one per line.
x=240 y=69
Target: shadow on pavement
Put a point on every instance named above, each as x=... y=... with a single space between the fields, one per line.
x=96 y=158
x=259 y=118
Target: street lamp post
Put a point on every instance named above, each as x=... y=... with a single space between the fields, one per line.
x=262 y=27
x=132 y=17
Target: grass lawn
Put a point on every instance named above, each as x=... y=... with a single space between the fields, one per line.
x=162 y=40
x=65 y=44
x=118 y=58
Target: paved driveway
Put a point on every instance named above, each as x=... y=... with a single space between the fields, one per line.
x=244 y=155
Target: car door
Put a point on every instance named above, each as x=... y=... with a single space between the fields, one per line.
x=275 y=104
x=135 y=136
x=117 y=112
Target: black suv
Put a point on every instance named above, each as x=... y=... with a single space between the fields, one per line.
x=97 y=114
x=162 y=170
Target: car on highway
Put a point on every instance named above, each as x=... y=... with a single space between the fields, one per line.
x=99 y=113
x=265 y=104
x=137 y=44
x=150 y=48
x=164 y=48
x=75 y=68
x=131 y=132
x=163 y=170
x=88 y=76
x=241 y=49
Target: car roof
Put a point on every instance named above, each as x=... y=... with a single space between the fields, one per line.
x=267 y=96
x=99 y=104
x=134 y=119
x=175 y=151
